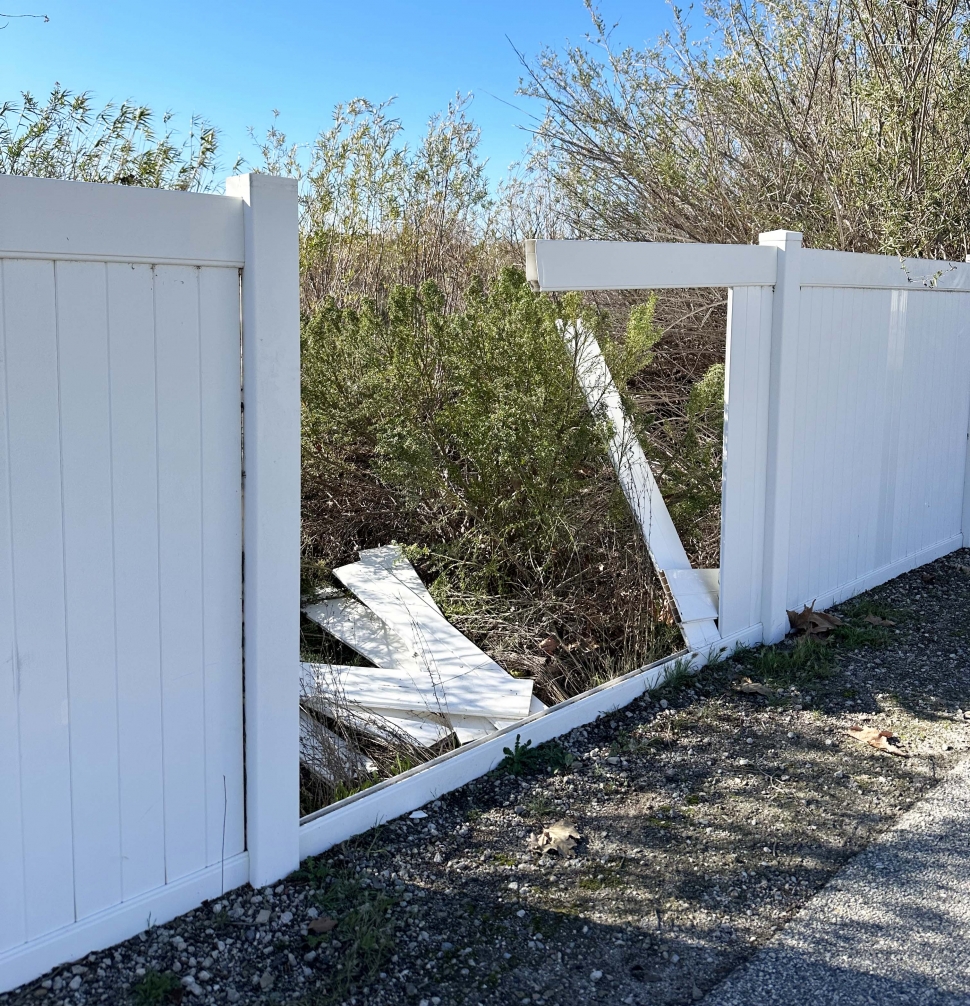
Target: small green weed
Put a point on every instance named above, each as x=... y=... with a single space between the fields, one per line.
x=540 y=805
x=784 y=664
x=156 y=988
x=520 y=759
x=679 y=676
x=524 y=758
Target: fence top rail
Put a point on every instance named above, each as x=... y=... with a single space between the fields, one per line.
x=646 y=265
x=54 y=219
x=887 y=272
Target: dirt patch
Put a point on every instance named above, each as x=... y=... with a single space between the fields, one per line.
x=707 y=815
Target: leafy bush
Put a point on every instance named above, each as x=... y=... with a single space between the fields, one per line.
x=466 y=436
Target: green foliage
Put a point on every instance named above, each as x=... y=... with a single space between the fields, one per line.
x=524 y=759
x=472 y=418
x=66 y=136
x=156 y=988
x=635 y=353
x=798 y=663
x=706 y=400
x=377 y=212
x=521 y=759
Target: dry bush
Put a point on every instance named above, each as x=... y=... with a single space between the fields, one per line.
x=845 y=119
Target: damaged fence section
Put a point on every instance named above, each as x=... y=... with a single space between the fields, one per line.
x=153 y=705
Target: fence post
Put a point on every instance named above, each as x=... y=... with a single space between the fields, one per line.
x=271 y=537
x=781 y=430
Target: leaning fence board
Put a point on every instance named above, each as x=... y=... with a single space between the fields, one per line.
x=466 y=694
x=692 y=589
x=636 y=477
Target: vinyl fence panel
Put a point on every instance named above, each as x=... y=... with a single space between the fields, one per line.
x=121 y=559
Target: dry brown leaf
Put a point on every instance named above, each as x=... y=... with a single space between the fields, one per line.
x=812 y=622
x=549 y=645
x=322 y=925
x=750 y=687
x=881 y=740
x=561 y=837
x=876 y=620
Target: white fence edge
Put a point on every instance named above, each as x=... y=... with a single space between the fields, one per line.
x=645 y=265
x=271 y=522
x=51 y=219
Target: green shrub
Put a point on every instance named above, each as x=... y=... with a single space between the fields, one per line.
x=465 y=436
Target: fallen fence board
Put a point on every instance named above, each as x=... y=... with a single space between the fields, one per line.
x=361 y=630
x=466 y=694
x=443 y=649
x=392 y=558
x=390 y=726
x=321 y=751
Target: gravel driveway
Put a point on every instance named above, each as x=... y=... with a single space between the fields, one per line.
x=708 y=817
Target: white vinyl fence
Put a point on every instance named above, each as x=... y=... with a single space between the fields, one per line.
x=121 y=546
x=149 y=539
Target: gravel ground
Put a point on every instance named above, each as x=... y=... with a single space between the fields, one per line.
x=707 y=818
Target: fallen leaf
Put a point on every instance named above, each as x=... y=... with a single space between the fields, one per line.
x=750 y=687
x=322 y=925
x=812 y=622
x=549 y=645
x=881 y=740
x=876 y=620
x=561 y=837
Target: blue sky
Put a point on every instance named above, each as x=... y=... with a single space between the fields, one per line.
x=236 y=62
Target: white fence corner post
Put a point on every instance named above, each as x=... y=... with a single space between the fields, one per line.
x=271 y=539
x=781 y=429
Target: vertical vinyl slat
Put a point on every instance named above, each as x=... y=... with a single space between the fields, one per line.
x=957 y=459
x=13 y=919
x=89 y=577
x=135 y=506
x=838 y=536
x=180 y=568
x=38 y=562
x=222 y=546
